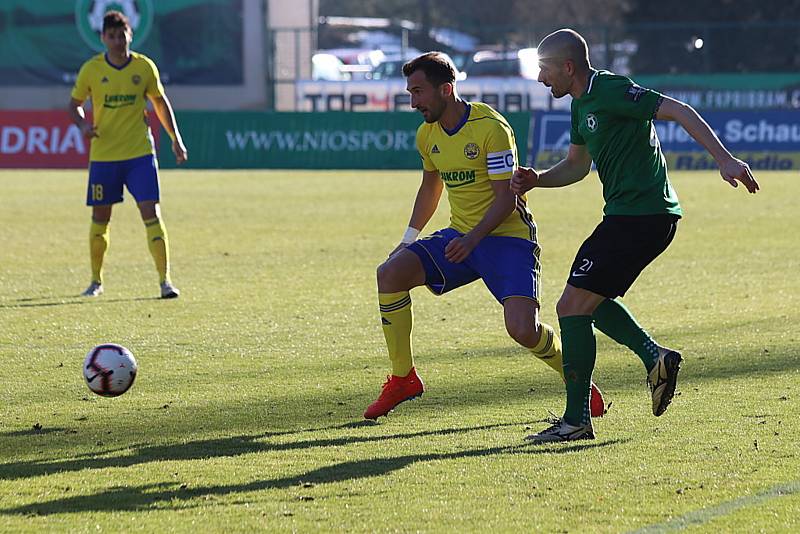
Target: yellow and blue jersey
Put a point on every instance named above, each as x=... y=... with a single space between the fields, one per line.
x=481 y=149
x=119 y=105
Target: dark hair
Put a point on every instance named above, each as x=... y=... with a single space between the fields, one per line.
x=115 y=19
x=437 y=67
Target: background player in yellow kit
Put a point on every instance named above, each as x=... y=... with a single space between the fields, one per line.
x=470 y=149
x=120 y=82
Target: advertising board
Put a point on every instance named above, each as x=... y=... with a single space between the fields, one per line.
x=767 y=140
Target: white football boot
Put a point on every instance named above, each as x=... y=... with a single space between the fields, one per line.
x=95 y=289
x=563 y=431
x=168 y=291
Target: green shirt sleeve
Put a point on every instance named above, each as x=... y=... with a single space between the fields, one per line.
x=622 y=96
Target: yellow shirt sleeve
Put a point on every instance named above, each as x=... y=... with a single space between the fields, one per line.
x=81 y=89
x=154 y=87
x=422 y=148
x=501 y=152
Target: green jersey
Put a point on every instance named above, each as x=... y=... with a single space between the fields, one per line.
x=614 y=119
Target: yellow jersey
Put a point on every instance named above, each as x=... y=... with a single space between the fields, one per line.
x=481 y=149
x=119 y=105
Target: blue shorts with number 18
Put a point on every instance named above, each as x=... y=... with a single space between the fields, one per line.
x=106 y=179
x=509 y=266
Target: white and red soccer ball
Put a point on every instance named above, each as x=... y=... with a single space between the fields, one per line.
x=109 y=370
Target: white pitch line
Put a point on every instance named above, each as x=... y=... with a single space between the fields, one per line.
x=698 y=517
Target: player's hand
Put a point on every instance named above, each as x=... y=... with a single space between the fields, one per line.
x=179 y=150
x=523 y=180
x=735 y=169
x=458 y=249
x=88 y=130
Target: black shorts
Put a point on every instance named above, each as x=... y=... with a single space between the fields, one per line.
x=621 y=246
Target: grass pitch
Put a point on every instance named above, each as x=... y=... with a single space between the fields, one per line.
x=246 y=413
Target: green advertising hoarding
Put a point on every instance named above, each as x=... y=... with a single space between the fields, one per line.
x=193 y=42
x=332 y=140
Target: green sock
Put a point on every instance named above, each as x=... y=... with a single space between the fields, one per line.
x=613 y=319
x=580 y=353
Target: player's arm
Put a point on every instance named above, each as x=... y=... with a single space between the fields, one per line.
x=78 y=116
x=569 y=170
x=501 y=207
x=165 y=114
x=428 y=195
x=731 y=168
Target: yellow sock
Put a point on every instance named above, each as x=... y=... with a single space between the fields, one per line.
x=396 y=319
x=159 y=247
x=549 y=349
x=98 y=244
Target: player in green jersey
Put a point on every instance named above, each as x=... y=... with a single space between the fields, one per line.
x=612 y=125
x=119 y=84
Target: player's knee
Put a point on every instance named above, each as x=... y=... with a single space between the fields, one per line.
x=149 y=210
x=386 y=274
x=101 y=214
x=565 y=306
x=572 y=304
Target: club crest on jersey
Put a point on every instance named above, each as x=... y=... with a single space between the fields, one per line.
x=471 y=150
x=136 y=79
x=591 y=122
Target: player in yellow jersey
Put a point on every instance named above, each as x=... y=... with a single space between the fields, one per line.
x=119 y=83
x=470 y=149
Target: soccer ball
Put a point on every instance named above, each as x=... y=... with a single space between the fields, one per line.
x=109 y=370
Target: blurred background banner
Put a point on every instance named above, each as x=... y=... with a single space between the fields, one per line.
x=331 y=140
x=47 y=140
x=43 y=139
x=729 y=91
x=503 y=94
x=194 y=42
x=292 y=71
x=767 y=140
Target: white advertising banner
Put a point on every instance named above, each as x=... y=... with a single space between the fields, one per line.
x=503 y=94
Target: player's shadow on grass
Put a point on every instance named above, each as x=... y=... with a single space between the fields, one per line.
x=32 y=432
x=74 y=300
x=210 y=448
x=175 y=494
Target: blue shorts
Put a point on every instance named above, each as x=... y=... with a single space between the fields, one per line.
x=509 y=266
x=106 y=178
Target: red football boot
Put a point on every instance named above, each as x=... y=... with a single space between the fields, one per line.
x=396 y=389
x=597 y=406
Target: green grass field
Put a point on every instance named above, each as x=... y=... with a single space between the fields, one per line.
x=246 y=413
